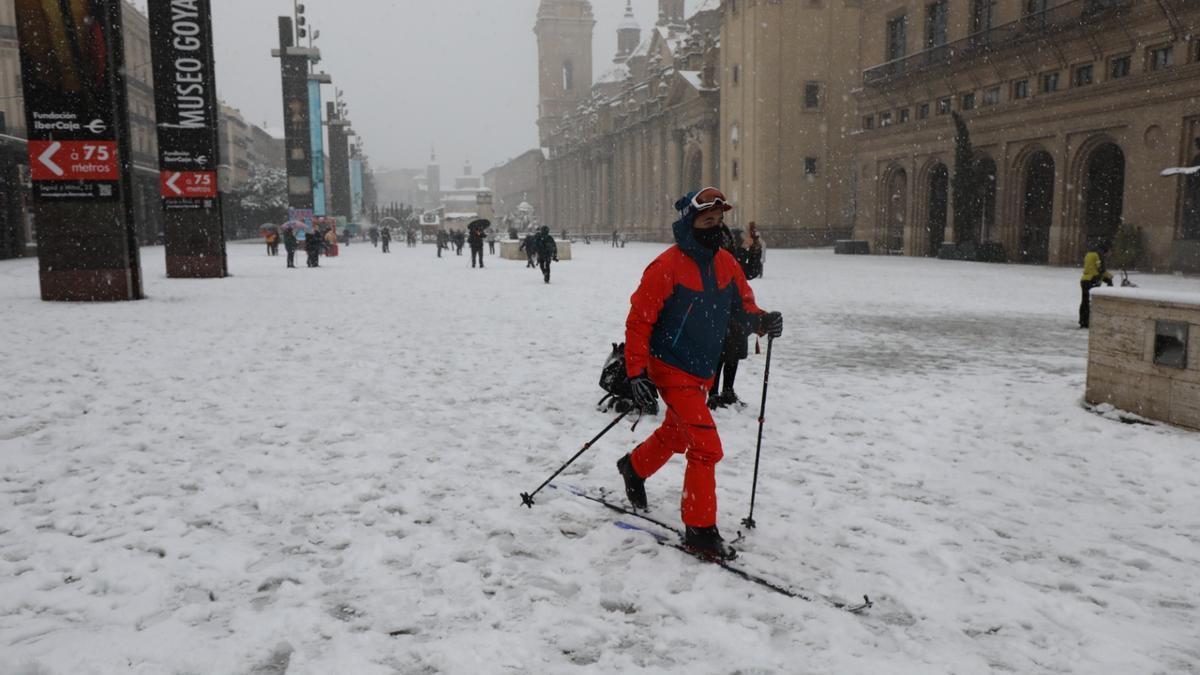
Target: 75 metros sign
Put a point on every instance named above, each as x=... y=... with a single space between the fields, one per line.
x=69 y=101
x=185 y=102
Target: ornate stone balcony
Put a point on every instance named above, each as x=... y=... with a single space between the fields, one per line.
x=1053 y=21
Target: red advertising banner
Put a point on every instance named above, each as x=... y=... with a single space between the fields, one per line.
x=74 y=161
x=187 y=184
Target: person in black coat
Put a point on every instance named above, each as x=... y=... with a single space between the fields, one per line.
x=477 y=237
x=529 y=245
x=385 y=236
x=735 y=348
x=290 y=244
x=443 y=241
x=312 y=245
x=547 y=251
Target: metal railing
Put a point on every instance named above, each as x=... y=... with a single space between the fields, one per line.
x=1050 y=21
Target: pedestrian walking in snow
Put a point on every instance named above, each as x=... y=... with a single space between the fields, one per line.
x=614 y=239
x=375 y=236
x=272 y=243
x=491 y=240
x=443 y=241
x=460 y=240
x=477 y=236
x=757 y=249
x=735 y=348
x=673 y=338
x=547 y=251
x=1094 y=273
x=312 y=245
x=528 y=245
x=385 y=236
x=290 y=244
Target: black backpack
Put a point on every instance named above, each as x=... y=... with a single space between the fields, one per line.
x=614 y=381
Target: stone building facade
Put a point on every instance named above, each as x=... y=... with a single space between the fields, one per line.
x=1073 y=109
x=621 y=150
x=787 y=116
x=515 y=183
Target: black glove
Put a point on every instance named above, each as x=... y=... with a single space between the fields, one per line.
x=772 y=324
x=645 y=394
x=1108 y=282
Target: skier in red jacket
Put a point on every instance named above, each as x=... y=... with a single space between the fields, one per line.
x=673 y=341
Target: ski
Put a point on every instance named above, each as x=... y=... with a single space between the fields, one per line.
x=728 y=565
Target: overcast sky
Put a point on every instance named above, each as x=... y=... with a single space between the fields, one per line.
x=459 y=74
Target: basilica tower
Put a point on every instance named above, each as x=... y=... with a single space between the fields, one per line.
x=629 y=34
x=564 y=35
x=671 y=13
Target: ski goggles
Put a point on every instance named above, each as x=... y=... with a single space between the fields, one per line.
x=710 y=198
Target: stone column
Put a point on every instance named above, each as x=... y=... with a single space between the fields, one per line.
x=1061 y=232
x=710 y=154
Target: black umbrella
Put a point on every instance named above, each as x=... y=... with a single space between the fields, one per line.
x=481 y=224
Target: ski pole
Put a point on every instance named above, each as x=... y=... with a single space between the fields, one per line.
x=527 y=497
x=748 y=521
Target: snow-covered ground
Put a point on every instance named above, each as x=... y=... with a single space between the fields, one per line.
x=317 y=471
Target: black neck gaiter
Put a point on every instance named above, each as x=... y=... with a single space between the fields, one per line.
x=709 y=238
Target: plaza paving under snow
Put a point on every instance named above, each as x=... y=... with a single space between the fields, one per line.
x=317 y=471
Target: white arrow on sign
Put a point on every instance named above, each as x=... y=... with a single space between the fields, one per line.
x=47 y=158
x=172 y=181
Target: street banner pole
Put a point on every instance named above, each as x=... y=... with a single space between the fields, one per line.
x=72 y=71
x=185 y=103
x=341 y=198
x=293 y=63
x=317 y=139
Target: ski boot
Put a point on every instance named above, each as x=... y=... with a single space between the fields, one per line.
x=728 y=398
x=635 y=485
x=706 y=542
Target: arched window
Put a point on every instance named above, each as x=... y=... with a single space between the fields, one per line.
x=1104 y=193
x=1037 y=208
x=568 y=75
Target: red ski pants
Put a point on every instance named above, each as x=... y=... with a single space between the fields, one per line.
x=688 y=430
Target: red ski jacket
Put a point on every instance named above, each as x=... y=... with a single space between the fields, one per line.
x=681 y=309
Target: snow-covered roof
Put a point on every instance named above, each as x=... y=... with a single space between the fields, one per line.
x=707 y=6
x=643 y=48
x=617 y=73
x=694 y=78
x=1150 y=295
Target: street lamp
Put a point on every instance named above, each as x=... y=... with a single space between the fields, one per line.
x=301 y=21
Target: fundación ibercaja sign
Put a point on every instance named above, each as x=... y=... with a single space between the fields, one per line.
x=72 y=62
x=185 y=104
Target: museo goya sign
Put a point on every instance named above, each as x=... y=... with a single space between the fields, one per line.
x=185 y=103
x=70 y=106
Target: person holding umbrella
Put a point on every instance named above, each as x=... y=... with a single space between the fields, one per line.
x=478 y=233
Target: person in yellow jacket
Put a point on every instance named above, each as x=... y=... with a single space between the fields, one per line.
x=1093 y=274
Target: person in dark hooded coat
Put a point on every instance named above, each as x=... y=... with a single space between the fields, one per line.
x=313 y=243
x=547 y=251
x=529 y=246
